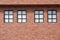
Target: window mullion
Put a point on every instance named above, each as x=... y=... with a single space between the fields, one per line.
x=21 y=16
x=38 y=16
x=52 y=16
x=8 y=16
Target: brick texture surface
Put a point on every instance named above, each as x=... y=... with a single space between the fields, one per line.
x=29 y=30
x=8 y=2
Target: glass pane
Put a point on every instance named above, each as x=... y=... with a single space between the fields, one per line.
x=54 y=20
x=50 y=16
x=23 y=12
x=36 y=16
x=49 y=20
x=19 y=12
x=10 y=20
x=41 y=16
x=19 y=16
x=10 y=12
x=19 y=20
x=10 y=16
x=40 y=12
x=54 y=16
x=36 y=20
x=54 y=12
x=49 y=12
x=6 y=20
x=41 y=20
x=23 y=16
x=36 y=12
x=6 y=12
x=6 y=16
x=24 y=20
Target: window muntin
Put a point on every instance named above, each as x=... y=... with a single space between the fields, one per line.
x=22 y=16
x=39 y=16
x=8 y=16
x=52 y=16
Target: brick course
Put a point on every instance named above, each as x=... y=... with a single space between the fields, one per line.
x=28 y=2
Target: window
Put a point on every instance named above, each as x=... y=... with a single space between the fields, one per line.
x=22 y=16
x=8 y=16
x=39 y=16
x=52 y=16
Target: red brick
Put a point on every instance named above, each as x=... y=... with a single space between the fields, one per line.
x=29 y=30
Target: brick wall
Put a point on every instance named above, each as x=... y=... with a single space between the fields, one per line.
x=24 y=2
x=29 y=30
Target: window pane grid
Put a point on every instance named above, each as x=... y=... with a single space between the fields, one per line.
x=38 y=16
x=22 y=16
x=52 y=16
x=8 y=17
